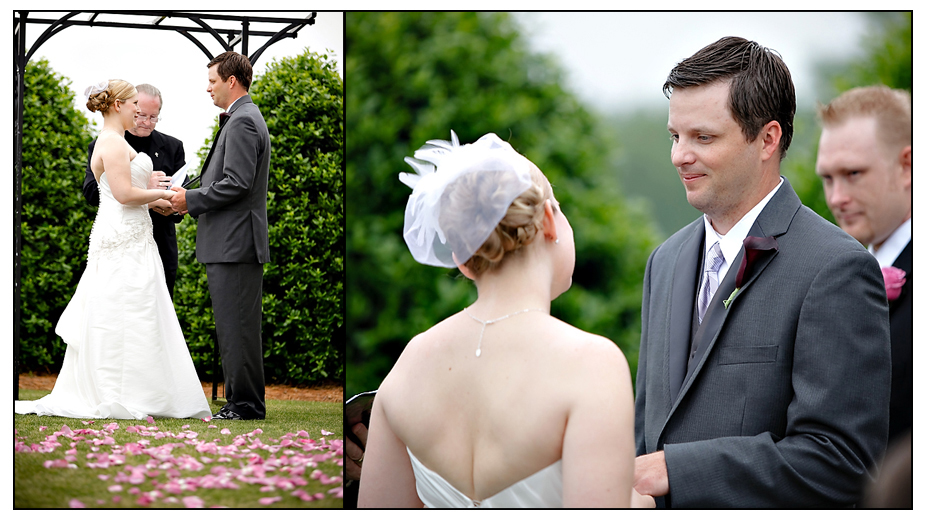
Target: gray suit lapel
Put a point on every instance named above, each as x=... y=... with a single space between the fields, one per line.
x=235 y=106
x=685 y=283
x=774 y=221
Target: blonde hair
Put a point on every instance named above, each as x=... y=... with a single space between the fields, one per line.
x=117 y=90
x=890 y=107
x=519 y=227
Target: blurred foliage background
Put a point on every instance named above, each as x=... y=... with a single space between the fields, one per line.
x=414 y=77
x=302 y=101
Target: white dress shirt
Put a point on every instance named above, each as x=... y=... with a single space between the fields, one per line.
x=893 y=246
x=733 y=241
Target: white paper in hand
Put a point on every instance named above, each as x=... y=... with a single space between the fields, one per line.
x=177 y=178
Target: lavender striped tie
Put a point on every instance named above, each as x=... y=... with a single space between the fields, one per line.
x=710 y=280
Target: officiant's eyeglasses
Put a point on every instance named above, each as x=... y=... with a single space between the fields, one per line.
x=143 y=118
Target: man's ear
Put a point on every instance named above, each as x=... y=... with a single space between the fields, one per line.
x=905 y=160
x=771 y=135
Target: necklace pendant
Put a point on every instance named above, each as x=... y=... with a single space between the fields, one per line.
x=478 y=352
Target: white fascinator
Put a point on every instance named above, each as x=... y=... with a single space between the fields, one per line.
x=99 y=87
x=489 y=163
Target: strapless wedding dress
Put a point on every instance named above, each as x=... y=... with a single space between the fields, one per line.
x=543 y=489
x=126 y=356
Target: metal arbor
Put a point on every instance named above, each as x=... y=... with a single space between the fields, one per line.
x=228 y=30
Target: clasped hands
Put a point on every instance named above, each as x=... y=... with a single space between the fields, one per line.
x=174 y=201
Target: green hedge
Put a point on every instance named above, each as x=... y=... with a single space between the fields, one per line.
x=56 y=219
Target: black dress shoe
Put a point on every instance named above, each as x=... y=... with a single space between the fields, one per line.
x=226 y=414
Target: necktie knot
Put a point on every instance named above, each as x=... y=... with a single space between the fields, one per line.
x=715 y=258
x=222 y=118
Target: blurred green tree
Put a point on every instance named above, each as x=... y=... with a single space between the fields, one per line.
x=415 y=77
x=886 y=59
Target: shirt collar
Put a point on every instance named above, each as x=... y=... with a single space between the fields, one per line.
x=229 y=109
x=894 y=245
x=733 y=241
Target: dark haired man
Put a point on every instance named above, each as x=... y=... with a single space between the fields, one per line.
x=763 y=385
x=231 y=237
x=167 y=156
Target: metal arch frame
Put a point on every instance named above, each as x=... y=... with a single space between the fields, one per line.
x=21 y=58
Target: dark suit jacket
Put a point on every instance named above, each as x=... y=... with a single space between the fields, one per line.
x=902 y=322
x=167 y=155
x=231 y=203
x=786 y=404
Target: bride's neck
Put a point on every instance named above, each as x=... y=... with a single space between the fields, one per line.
x=518 y=284
x=112 y=123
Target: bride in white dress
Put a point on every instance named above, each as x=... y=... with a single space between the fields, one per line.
x=126 y=356
x=500 y=405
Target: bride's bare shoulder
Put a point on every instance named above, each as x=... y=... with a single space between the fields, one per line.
x=589 y=352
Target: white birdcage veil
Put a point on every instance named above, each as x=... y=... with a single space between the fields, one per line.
x=494 y=165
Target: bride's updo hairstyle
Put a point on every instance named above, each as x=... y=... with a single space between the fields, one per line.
x=102 y=96
x=473 y=204
x=461 y=207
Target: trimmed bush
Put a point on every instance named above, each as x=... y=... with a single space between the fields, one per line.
x=56 y=219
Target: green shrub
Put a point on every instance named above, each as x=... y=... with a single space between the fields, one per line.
x=56 y=219
x=301 y=99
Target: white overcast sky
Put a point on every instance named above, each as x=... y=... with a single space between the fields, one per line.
x=171 y=62
x=619 y=60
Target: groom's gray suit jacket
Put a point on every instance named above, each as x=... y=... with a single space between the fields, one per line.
x=786 y=401
x=232 y=197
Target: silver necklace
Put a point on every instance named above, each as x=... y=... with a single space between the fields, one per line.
x=479 y=345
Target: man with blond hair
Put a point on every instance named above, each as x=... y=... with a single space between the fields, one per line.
x=864 y=162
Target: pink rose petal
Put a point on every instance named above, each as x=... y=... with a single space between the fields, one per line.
x=193 y=502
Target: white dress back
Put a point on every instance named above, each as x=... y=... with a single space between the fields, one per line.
x=543 y=489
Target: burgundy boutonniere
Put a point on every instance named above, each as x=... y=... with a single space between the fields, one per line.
x=753 y=247
x=894 y=279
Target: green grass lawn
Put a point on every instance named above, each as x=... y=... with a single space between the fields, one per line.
x=285 y=461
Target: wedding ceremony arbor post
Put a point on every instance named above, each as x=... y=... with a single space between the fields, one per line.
x=228 y=30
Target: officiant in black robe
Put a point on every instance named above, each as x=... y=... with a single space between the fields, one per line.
x=167 y=156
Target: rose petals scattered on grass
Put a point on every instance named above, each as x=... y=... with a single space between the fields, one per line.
x=74 y=503
x=290 y=462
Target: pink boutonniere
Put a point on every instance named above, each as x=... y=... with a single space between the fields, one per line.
x=753 y=247
x=894 y=280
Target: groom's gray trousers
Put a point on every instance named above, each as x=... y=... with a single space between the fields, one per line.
x=235 y=289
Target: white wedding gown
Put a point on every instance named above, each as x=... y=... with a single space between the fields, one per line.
x=126 y=356
x=543 y=489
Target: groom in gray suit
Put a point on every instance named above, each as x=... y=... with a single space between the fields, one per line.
x=231 y=237
x=764 y=370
